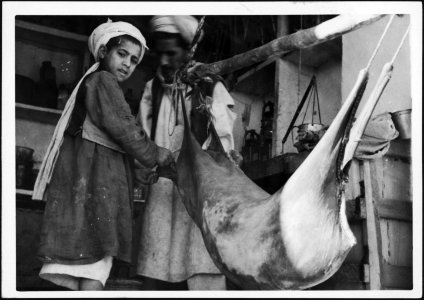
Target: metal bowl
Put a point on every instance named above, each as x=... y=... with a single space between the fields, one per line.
x=312 y=127
x=402 y=121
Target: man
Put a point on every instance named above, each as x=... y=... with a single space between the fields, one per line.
x=171 y=245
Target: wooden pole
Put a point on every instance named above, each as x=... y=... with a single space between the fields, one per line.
x=372 y=197
x=323 y=32
x=280 y=102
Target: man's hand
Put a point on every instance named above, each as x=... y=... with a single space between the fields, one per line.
x=164 y=157
x=236 y=157
x=192 y=74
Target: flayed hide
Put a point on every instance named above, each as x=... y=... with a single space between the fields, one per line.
x=294 y=239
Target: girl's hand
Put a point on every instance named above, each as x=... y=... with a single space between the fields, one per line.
x=164 y=157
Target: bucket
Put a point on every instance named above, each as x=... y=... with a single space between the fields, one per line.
x=402 y=121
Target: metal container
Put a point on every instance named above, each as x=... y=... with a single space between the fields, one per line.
x=23 y=155
x=311 y=127
x=308 y=135
x=24 y=164
x=402 y=121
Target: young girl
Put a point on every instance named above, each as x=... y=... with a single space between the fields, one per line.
x=88 y=218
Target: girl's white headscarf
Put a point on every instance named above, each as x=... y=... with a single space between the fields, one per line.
x=100 y=36
x=104 y=32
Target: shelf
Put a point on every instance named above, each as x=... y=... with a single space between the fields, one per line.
x=24 y=200
x=51 y=31
x=46 y=43
x=43 y=34
x=37 y=113
x=24 y=192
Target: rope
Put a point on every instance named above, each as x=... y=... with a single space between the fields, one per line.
x=307 y=106
x=299 y=68
x=379 y=42
x=176 y=92
x=400 y=45
x=340 y=175
x=313 y=105
x=319 y=109
x=194 y=44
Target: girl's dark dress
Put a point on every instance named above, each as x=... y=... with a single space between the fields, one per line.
x=88 y=214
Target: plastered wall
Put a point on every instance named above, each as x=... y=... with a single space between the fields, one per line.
x=242 y=101
x=290 y=88
x=358 y=47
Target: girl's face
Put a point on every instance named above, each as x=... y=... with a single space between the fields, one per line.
x=121 y=60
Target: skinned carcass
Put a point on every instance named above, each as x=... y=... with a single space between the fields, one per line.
x=294 y=239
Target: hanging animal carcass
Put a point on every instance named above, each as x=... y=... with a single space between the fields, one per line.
x=294 y=239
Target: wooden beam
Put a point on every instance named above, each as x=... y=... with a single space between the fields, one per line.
x=373 y=226
x=395 y=209
x=323 y=32
x=390 y=209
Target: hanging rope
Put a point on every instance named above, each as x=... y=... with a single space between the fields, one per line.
x=309 y=101
x=369 y=105
x=181 y=76
x=299 y=67
x=380 y=41
x=313 y=105
x=193 y=48
x=313 y=96
x=400 y=45
x=319 y=109
x=341 y=174
x=299 y=108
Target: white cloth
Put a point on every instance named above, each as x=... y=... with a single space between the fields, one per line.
x=68 y=275
x=207 y=282
x=186 y=26
x=104 y=32
x=171 y=244
x=223 y=118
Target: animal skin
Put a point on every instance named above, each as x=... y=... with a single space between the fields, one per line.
x=297 y=237
x=293 y=239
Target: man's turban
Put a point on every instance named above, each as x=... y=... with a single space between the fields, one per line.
x=186 y=26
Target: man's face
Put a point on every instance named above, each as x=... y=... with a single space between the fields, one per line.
x=171 y=57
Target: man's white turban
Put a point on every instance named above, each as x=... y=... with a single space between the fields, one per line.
x=186 y=26
x=104 y=32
